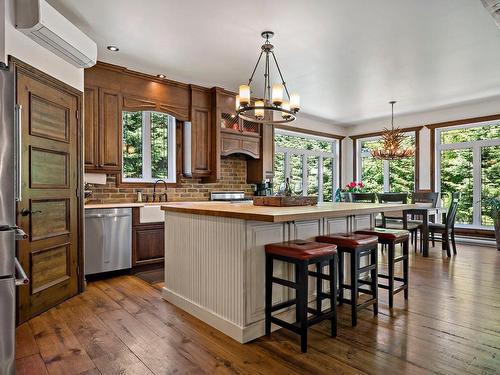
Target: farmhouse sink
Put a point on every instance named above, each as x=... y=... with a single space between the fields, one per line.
x=151 y=214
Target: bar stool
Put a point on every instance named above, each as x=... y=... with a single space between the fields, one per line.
x=357 y=246
x=392 y=237
x=302 y=254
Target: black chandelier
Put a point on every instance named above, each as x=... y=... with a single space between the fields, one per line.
x=263 y=111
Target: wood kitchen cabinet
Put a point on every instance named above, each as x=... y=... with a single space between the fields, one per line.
x=147 y=241
x=102 y=130
x=203 y=163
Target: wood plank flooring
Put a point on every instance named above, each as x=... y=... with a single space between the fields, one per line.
x=450 y=325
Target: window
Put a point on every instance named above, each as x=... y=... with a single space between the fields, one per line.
x=468 y=161
x=385 y=175
x=148 y=146
x=309 y=161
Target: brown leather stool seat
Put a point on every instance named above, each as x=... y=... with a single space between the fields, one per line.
x=356 y=245
x=385 y=234
x=349 y=240
x=392 y=237
x=302 y=250
x=301 y=254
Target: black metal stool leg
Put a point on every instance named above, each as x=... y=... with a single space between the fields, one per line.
x=341 y=277
x=354 y=288
x=302 y=305
x=374 y=278
x=297 y=296
x=391 y=274
x=405 y=267
x=319 y=288
x=269 y=292
x=333 y=295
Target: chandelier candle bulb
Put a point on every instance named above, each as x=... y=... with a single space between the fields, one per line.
x=277 y=94
x=237 y=102
x=244 y=95
x=286 y=107
x=294 y=102
x=259 y=109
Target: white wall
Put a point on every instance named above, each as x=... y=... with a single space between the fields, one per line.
x=15 y=43
x=490 y=106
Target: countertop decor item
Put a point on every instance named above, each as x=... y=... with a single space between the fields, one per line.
x=274 y=108
x=392 y=143
x=285 y=201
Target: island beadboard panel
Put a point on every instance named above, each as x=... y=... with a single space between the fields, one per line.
x=233 y=177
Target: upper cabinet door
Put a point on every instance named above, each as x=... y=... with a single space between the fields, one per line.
x=110 y=130
x=91 y=129
x=201 y=150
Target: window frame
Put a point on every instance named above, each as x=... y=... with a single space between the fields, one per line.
x=287 y=152
x=475 y=146
x=358 y=162
x=146 y=150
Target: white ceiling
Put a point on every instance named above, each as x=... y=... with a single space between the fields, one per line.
x=347 y=59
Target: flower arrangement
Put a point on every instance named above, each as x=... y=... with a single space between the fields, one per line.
x=354 y=187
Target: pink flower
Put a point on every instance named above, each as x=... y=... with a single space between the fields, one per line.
x=352 y=184
x=361 y=185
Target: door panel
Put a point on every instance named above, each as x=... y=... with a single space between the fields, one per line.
x=49 y=189
x=49 y=218
x=49 y=120
x=49 y=169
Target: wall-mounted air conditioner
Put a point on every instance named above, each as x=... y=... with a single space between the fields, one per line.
x=493 y=7
x=51 y=29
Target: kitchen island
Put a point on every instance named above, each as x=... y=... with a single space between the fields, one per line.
x=214 y=255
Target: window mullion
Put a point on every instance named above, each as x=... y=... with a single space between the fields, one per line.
x=304 y=175
x=476 y=185
x=320 y=179
x=387 y=184
x=146 y=139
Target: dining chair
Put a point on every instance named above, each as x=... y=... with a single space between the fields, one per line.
x=447 y=229
x=421 y=199
x=396 y=216
x=394 y=220
x=362 y=197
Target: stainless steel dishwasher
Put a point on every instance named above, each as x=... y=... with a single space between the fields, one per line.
x=108 y=239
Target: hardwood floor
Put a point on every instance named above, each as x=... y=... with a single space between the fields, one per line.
x=450 y=325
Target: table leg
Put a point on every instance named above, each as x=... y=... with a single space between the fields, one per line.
x=425 y=235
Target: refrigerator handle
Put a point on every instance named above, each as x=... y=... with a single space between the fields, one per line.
x=18 y=150
x=20 y=234
x=23 y=279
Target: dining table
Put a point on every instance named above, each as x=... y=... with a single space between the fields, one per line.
x=425 y=213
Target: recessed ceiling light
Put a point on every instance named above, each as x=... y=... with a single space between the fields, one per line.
x=161 y=76
x=113 y=48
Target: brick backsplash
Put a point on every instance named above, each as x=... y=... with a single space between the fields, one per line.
x=233 y=177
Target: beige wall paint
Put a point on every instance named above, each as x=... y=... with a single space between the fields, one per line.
x=16 y=44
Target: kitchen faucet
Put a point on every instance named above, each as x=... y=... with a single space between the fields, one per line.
x=154 y=189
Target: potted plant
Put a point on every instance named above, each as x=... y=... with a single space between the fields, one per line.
x=493 y=205
x=342 y=195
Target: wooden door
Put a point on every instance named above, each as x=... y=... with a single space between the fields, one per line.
x=49 y=208
x=110 y=130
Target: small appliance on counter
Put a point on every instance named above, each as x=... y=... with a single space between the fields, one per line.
x=229 y=196
x=264 y=189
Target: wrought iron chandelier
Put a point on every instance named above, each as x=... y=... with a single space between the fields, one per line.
x=392 y=143
x=273 y=108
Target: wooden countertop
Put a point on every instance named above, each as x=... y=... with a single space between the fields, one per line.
x=247 y=211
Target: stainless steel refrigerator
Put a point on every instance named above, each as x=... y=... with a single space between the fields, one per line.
x=11 y=272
